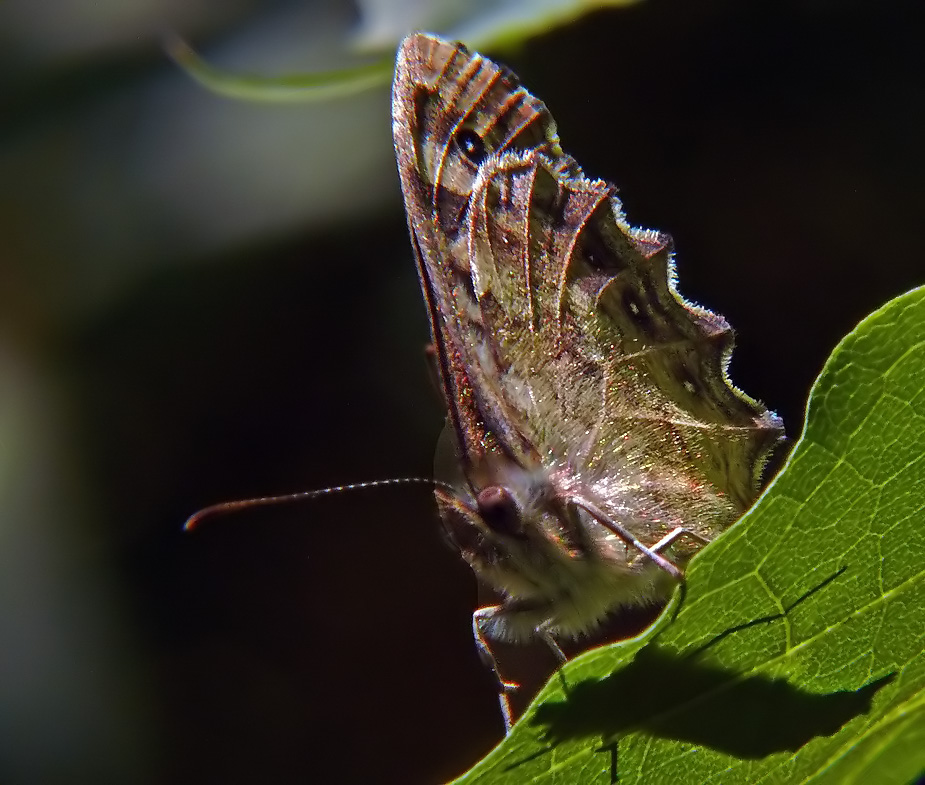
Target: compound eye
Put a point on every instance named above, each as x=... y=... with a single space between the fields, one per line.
x=500 y=512
x=471 y=144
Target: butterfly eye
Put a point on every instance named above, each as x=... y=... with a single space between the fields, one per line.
x=499 y=511
x=471 y=144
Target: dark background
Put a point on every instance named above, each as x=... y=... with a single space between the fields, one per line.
x=779 y=143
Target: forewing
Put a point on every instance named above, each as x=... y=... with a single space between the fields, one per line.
x=441 y=92
x=562 y=342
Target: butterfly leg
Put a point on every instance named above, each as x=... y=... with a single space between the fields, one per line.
x=673 y=535
x=543 y=633
x=505 y=688
x=624 y=534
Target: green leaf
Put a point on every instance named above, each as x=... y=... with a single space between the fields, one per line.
x=796 y=653
x=500 y=25
x=295 y=88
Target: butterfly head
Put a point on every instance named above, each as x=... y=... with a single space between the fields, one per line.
x=526 y=534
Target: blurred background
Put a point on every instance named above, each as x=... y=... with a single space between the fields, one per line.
x=204 y=299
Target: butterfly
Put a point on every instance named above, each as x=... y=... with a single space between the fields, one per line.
x=599 y=441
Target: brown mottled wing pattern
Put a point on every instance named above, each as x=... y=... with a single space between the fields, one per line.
x=567 y=357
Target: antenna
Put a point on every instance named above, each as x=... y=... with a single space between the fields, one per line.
x=265 y=501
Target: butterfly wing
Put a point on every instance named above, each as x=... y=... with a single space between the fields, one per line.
x=571 y=367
